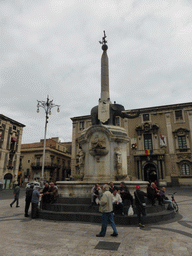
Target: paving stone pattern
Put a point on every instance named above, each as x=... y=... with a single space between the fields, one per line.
x=23 y=236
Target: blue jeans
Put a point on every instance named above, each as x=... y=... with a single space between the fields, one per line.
x=16 y=199
x=169 y=202
x=107 y=217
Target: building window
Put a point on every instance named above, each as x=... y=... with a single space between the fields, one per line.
x=63 y=174
x=148 y=141
x=12 y=146
x=38 y=161
x=185 y=169
x=182 y=142
x=145 y=117
x=57 y=178
x=14 y=127
x=117 y=121
x=81 y=125
x=178 y=115
x=28 y=161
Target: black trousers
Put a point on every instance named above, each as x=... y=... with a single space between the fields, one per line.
x=141 y=213
x=27 y=204
x=34 y=212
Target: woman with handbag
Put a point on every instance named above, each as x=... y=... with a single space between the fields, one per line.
x=140 y=205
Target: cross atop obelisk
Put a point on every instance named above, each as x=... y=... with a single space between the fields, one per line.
x=104 y=101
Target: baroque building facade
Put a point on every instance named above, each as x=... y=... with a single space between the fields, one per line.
x=159 y=147
x=57 y=165
x=10 y=145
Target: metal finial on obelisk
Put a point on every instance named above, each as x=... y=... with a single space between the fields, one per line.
x=103 y=42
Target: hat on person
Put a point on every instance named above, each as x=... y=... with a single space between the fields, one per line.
x=138 y=187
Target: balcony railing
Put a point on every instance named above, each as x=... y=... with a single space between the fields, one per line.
x=47 y=164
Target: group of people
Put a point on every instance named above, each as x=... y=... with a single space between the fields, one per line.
x=154 y=193
x=48 y=194
x=110 y=198
x=119 y=195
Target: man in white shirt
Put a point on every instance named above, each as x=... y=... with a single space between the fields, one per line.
x=117 y=202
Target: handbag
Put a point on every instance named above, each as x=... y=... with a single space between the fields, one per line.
x=130 y=211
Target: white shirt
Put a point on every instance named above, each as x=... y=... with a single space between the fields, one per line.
x=117 y=198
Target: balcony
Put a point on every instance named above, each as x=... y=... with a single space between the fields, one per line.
x=143 y=152
x=47 y=165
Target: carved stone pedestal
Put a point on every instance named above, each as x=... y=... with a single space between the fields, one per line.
x=105 y=153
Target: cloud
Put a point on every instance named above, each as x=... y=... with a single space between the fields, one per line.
x=52 y=48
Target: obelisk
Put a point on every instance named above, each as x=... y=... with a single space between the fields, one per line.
x=104 y=101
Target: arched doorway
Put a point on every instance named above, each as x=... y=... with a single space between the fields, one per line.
x=150 y=172
x=7 y=181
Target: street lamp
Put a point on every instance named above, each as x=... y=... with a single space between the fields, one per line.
x=47 y=105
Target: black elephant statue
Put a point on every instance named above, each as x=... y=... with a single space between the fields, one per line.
x=115 y=110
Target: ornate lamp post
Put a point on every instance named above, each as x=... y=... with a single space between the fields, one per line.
x=47 y=105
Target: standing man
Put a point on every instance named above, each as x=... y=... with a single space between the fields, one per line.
x=106 y=207
x=16 y=196
x=140 y=205
x=28 y=197
x=35 y=201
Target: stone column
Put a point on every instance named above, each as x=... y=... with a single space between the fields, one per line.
x=104 y=77
x=73 y=154
x=190 y=123
x=169 y=133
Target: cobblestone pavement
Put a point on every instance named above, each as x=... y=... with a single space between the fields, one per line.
x=23 y=236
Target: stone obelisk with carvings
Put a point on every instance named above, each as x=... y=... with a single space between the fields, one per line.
x=104 y=101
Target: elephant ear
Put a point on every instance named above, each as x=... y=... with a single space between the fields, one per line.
x=117 y=107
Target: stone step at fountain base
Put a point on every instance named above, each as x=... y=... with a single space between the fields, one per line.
x=81 y=210
x=94 y=217
x=58 y=207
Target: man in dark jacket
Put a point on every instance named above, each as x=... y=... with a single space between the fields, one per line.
x=140 y=205
x=112 y=188
x=52 y=192
x=45 y=196
x=16 y=196
x=125 y=194
x=28 y=196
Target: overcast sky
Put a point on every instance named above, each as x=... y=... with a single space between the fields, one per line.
x=52 y=48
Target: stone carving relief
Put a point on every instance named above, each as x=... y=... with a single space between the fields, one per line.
x=118 y=160
x=81 y=156
x=79 y=166
x=118 y=164
x=98 y=147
